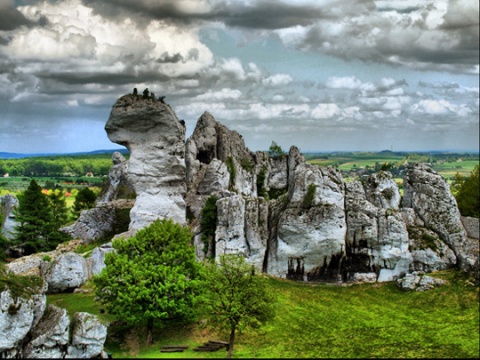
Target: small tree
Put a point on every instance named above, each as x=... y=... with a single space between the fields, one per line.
x=275 y=150
x=468 y=197
x=152 y=277
x=36 y=230
x=235 y=297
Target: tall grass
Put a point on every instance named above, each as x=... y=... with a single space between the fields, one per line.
x=328 y=321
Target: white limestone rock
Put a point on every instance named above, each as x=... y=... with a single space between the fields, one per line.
x=17 y=316
x=8 y=203
x=311 y=230
x=156 y=168
x=50 y=337
x=382 y=191
x=96 y=261
x=429 y=195
x=88 y=336
x=67 y=271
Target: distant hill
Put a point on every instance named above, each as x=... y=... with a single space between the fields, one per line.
x=8 y=155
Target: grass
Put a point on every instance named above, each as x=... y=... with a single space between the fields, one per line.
x=327 y=321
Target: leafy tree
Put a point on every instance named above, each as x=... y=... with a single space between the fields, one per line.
x=85 y=199
x=152 y=277
x=38 y=228
x=275 y=150
x=235 y=297
x=468 y=197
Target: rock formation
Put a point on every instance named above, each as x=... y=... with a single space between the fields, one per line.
x=156 y=168
x=288 y=218
x=31 y=329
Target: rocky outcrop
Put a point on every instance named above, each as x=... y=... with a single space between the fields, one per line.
x=66 y=272
x=111 y=214
x=17 y=316
x=8 y=203
x=50 y=337
x=287 y=217
x=156 y=168
x=31 y=329
x=310 y=224
x=429 y=195
x=88 y=337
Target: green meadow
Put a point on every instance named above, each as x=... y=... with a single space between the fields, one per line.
x=325 y=321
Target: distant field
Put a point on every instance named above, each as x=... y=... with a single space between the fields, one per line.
x=448 y=170
x=16 y=184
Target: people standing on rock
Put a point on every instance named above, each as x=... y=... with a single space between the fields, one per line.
x=160 y=98
x=146 y=93
x=152 y=95
x=135 y=91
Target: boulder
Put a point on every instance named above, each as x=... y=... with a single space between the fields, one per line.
x=17 y=316
x=419 y=282
x=66 y=272
x=96 y=261
x=49 y=338
x=88 y=336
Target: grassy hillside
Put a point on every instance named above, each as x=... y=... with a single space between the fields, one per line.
x=327 y=321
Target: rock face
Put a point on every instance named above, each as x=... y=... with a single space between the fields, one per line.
x=7 y=204
x=287 y=217
x=298 y=221
x=67 y=272
x=88 y=336
x=111 y=214
x=156 y=168
x=31 y=329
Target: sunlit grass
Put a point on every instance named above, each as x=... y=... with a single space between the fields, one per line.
x=327 y=321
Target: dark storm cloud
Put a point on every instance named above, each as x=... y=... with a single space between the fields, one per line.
x=10 y=17
x=260 y=14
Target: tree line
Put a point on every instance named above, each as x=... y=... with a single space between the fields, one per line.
x=98 y=165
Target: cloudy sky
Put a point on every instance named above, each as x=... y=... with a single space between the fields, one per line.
x=325 y=75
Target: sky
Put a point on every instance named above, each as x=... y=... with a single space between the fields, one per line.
x=323 y=75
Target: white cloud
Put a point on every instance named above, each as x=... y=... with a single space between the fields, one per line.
x=221 y=95
x=277 y=80
x=325 y=111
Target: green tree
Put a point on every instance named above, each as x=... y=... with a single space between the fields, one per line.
x=38 y=228
x=153 y=277
x=235 y=297
x=85 y=199
x=468 y=198
x=275 y=150
x=58 y=208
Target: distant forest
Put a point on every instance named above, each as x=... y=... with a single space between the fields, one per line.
x=58 y=165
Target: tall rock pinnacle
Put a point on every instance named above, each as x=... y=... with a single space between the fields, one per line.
x=156 y=139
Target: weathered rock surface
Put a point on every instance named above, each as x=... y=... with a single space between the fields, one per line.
x=8 y=203
x=419 y=282
x=156 y=168
x=49 y=338
x=66 y=272
x=17 y=316
x=111 y=212
x=429 y=195
x=96 y=261
x=88 y=337
x=31 y=329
